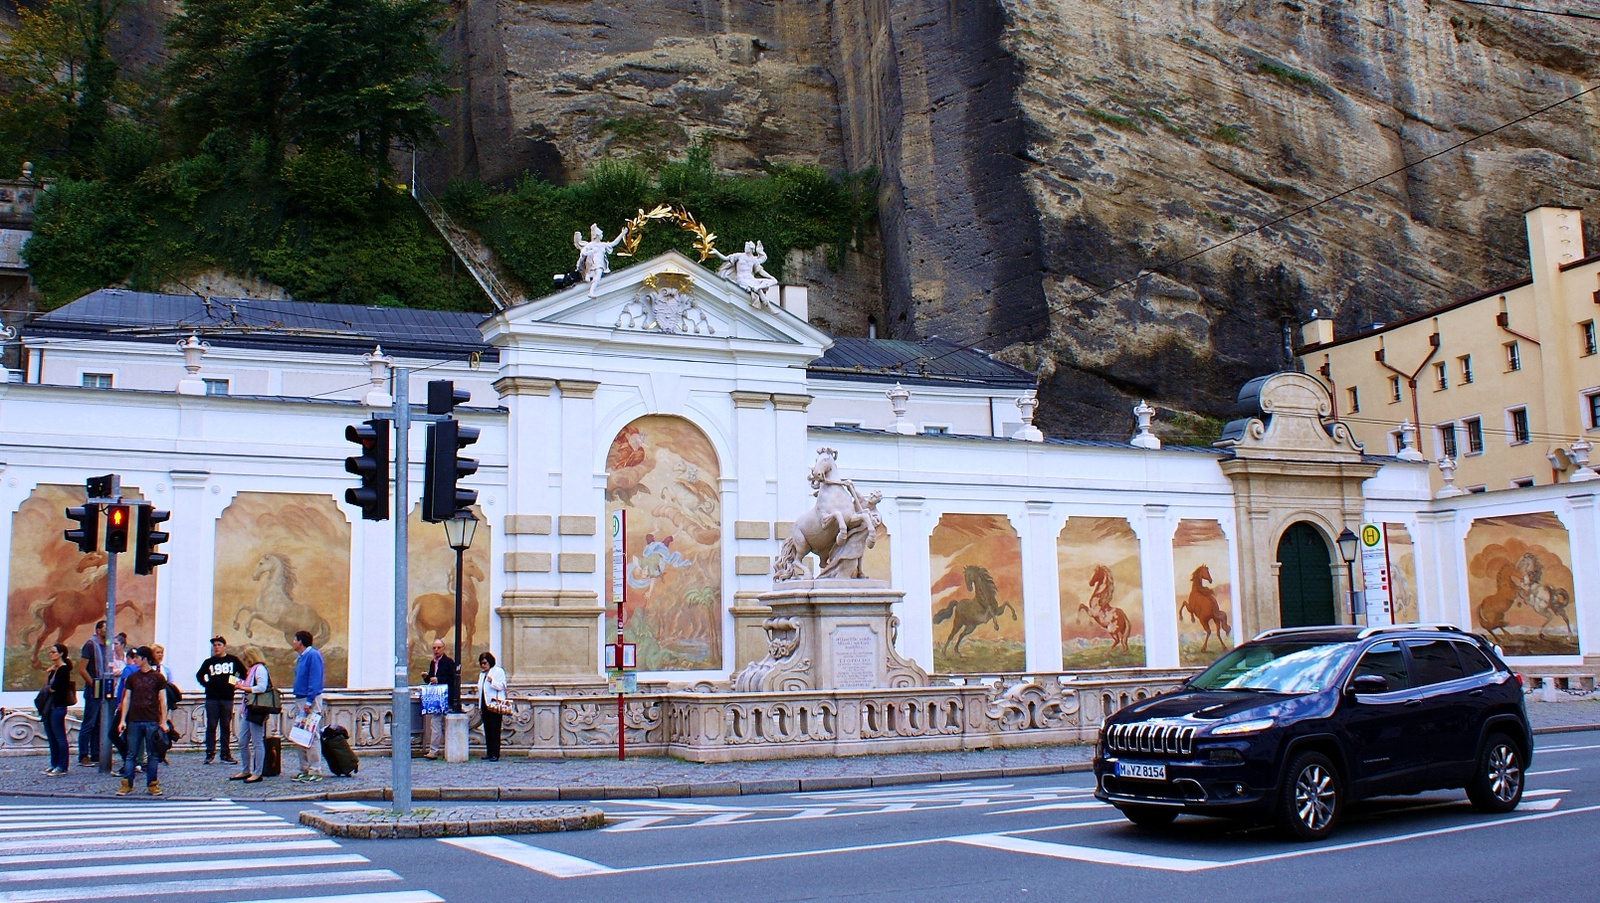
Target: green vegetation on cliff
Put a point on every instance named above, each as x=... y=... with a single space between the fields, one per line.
x=530 y=226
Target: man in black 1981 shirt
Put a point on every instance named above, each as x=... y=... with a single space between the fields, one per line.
x=218 y=674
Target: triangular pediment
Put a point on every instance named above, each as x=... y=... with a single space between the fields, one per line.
x=669 y=299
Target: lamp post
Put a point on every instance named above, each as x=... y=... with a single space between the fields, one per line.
x=458 y=532
x=1347 y=551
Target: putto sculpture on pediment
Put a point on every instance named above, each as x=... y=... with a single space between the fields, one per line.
x=665 y=305
x=744 y=269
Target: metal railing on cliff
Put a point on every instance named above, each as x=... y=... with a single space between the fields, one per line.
x=478 y=259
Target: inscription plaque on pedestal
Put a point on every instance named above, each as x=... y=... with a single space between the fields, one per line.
x=855 y=658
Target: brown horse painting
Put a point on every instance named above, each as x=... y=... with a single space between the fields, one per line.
x=64 y=611
x=967 y=615
x=435 y=613
x=1204 y=609
x=1110 y=618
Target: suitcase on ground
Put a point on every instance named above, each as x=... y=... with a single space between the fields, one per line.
x=337 y=753
x=273 y=766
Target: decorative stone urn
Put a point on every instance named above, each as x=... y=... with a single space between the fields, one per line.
x=830 y=635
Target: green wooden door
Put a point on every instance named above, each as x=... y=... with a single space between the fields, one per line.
x=1305 y=584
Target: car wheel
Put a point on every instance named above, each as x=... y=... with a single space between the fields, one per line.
x=1149 y=816
x=1497 y=779
x=1311 y=799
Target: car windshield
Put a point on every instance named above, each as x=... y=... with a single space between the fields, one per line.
x=1283 y=667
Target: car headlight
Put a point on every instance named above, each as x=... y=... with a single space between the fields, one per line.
x=1243 y=727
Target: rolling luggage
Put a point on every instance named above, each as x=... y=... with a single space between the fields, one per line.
x=337 y=753
x=273 y=766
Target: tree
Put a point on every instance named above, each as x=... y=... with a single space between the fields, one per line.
x=353 y=76
x=59 y=85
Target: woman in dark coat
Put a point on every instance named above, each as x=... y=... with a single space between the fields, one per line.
x=63 y=695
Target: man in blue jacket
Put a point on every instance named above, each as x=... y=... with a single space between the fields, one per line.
x=308 y=699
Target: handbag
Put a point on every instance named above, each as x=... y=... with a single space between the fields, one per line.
x=498 y=706
x=269 y=699
x=435 y=699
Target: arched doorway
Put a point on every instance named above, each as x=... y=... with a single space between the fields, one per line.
x=1305 y=581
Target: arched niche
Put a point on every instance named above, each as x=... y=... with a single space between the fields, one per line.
x=975 y=572
x=1204 y=577
x=1102 y=598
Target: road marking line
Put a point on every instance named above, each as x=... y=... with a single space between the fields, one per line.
x=397 y=896
x=558 y=865
x=637 y=823
x=143 y=827
x=192 y=865
x=1541 y=805
x=1556 y=749
x=122 y=807
x=130 y=840
x=1530 y=794
x=152 y=821
x=201 y=886
x=1540 y=774
x=719 y=819
x=1084 y=854
x=680 y=807
x=1095 y=804
x=288 y=846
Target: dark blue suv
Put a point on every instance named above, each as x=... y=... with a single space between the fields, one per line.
x=1295 y=724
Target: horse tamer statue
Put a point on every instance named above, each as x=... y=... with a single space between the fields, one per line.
x=840 y=527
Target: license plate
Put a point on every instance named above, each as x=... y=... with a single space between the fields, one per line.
x=1141 y=770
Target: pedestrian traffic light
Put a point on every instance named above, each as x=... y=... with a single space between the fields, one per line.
x=145 y=539
x=372 y=466
x=117 y=517
x=443 y=467
x=87 y=533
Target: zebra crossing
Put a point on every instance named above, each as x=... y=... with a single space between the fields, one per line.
x=187 y=852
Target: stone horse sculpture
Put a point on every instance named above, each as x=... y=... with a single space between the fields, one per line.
x=839 y=528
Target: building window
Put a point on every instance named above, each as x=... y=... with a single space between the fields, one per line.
x=1594 y=409
x=97 y=380
x=1513 y=356
x=1522 y=482
x=1477 y=490
x=849 y=424
x=1394 y=389
x=1355 y=400
x=935 y=431
x=1441 y=375
x=216 y=386
x=1465 y=361
x=1474 y=435
x=1586 y=332
x=1447 y=440
x=1519 y=426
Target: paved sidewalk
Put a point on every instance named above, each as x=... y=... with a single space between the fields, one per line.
x=516 y=779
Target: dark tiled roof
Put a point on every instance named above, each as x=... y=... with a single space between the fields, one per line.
x=932 y=361
x=300 y=325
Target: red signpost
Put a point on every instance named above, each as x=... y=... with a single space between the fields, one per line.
x=619 y=593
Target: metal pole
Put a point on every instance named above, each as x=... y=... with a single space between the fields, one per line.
x=1350 y=578
x=457 y=690
x=400 y=719
x=106 y=705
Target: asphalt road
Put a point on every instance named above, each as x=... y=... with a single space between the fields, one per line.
x=989 y=841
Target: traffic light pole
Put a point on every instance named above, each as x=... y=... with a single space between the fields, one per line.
x=400 y=721
x=107 y=711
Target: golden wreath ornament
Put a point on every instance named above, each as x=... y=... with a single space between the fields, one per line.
x=704 y=239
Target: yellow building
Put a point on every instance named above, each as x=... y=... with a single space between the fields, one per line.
x=1504 y=382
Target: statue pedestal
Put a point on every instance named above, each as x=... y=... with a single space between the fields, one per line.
x=830 y=635
x=551 y=637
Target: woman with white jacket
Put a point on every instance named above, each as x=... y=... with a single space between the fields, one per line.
x=493 y=703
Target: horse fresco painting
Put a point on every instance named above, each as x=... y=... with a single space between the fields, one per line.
x=976 y=591
x=663 y=472
x=1102 y=602
x=1402 y=574
x=1519 y=584
x=430 y=579
x=282 y=565
x=1200 y=565
x=57 y=593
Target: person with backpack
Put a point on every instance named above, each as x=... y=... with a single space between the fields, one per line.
x=256 y=705
x=58 y=695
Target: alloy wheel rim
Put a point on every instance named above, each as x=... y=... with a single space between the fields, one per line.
x=1505 y=775
x=1314 y=797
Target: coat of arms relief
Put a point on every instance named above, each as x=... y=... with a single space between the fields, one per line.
x=665 y=305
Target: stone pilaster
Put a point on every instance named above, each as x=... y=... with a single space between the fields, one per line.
x=551 y=636
x=1041 y=590
x=1160 y=587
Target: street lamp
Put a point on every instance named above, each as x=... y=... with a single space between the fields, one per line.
x=1347 y=551
x=458 y=532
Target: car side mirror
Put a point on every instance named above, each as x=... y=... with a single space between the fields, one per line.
x=1366 y=684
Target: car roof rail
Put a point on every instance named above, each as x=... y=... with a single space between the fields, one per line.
x=1394 y=628
x=1286 y=631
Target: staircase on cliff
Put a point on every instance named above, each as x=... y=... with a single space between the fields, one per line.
x=470 y=250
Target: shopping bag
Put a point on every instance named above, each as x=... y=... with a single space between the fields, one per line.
x=305 y=730
x=435 y=699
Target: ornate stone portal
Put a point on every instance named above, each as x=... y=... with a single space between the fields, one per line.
x=835 y=632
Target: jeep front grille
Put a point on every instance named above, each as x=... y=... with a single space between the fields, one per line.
x=1151 y=737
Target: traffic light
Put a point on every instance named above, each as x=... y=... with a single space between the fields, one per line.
x=441 y=497
x=117 y=517
x=104 y=487
x=145 y=558
x=443 y=396
x=87 y=533
x=372 y=466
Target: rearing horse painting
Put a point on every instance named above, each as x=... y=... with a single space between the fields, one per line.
x=275 y=606
x=967 y=615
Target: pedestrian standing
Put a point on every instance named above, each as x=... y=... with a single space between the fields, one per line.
x=93 y=663
x=308 y=701
x=60 y=693
x=174 y=696
x=253 y=722
x=217 y=675
x=442 y=671
x=144 y=712
x=493 y=703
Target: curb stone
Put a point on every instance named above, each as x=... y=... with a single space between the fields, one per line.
x=454 y=821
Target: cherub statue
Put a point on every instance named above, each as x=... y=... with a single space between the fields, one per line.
x=743 y=268
x=594 y=254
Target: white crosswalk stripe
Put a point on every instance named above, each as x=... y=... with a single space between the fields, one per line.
x=68 y=850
